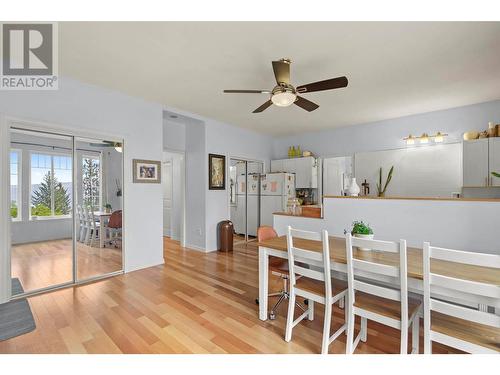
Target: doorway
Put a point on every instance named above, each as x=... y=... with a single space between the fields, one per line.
x=244 y=198
x=65 y=208
x=173 y=182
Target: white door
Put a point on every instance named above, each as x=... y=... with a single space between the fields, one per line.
x=167 y=197
x=475 y=162
x=494 y=151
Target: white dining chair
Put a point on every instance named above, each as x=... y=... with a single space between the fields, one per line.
x=454 y=325
x=314 y=283
x=92 y=232
x=81 y=223
x=371 y=301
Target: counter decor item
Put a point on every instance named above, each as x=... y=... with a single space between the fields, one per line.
x=216 y=172
x=492 y=131
x=305 y=154
x=362 y=230
x=469 y=136
x=293 y=206
x=380 y=191
x=353 y=189
x=107 y=208
x=483 y=134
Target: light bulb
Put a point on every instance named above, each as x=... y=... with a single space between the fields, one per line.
x=424 y=138
x=439 y=138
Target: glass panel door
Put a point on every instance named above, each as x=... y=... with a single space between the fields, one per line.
x=255 y=170
x=238 y=198
x=41 y=195
x=98 y=228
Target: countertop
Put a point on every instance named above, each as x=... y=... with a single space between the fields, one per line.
x=416 y=198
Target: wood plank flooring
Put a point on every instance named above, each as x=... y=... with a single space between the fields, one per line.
x=48 y=263
x=194 y=303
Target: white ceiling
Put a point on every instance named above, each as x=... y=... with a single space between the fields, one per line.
x=394 y=69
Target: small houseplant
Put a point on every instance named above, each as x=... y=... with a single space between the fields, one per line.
x=495 y=174
x=362 y=230
x=381 y=192
x=107 y=207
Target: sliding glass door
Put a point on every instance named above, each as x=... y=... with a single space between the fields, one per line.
x=66 y=209
x=41 y=178
x=99 y=207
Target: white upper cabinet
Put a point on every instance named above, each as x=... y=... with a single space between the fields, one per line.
x=305 y=169
x=481 y=157
x=494 y=162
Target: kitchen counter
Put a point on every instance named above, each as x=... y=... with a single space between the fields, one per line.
x=310 y=211
x=416 y=198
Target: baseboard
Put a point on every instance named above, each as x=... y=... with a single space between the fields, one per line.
x=195 y=247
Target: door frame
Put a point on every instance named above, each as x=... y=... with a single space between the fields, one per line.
x=6 y=124
x=182 y=154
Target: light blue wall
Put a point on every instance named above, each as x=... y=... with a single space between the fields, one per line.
x=389 y=134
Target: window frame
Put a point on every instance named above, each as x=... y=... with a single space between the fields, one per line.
x=19 y=183
x=52 y=208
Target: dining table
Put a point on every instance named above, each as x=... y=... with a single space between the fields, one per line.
x=103 y=217
x=277 y=247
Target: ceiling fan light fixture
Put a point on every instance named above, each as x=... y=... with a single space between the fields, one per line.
x=284 y=99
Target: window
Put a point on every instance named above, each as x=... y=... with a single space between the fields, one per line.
x=15 y=185
x=91 y=181
x=51 y=187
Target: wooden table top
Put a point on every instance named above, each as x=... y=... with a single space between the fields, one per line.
x=338 y=254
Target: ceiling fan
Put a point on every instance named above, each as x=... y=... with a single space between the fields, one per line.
x=116 y=145
x=284 y=94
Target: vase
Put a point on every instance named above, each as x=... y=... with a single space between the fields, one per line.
x=353 y=189
x=366 y=236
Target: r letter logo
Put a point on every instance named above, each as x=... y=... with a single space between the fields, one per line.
x=29 y=56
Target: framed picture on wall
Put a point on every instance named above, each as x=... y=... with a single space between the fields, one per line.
x=216 y=172
x=146 y=171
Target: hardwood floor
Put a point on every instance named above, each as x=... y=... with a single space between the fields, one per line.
x=48 y=263
x=195 y=303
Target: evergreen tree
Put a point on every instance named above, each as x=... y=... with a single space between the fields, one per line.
x=90 y=179
x=43 y=196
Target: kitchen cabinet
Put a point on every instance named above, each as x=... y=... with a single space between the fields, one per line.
x=494 y=162
x=480 y=158
x=305 y=169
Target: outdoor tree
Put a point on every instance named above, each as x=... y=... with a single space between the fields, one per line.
x=90 y=182
x=41 y=199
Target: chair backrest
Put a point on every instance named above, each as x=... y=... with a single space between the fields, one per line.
x=79 y=212
x=434 y=281
x=303 y=252
x=398 y=270
x=265 y=233
x=115 y=220
x=89 y=216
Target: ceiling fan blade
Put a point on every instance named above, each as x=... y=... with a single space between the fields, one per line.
x=328 y=84
x=247 y=91
x=282 y=71
x=305 y=104
x=263 y=106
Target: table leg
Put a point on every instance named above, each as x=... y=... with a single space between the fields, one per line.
x=263 y=282
x=102 y=233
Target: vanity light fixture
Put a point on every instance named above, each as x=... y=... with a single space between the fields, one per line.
x=425 y=138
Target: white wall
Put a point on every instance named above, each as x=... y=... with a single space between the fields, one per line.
x=458 y=224
x=91 y=110
x=389 y=134
x=232 y=142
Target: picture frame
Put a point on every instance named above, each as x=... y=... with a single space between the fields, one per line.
x=146 y=171
x=216 y=172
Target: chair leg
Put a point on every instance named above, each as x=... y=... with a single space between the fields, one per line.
x=350 y=331
x=415 y=335
x=290 y=315
x=310 y=307
x=364 y=329
x=404 y=338
x=272 y=313
x=342 y=303
x=326 y=327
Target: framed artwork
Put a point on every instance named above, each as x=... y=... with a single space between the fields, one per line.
x=146 y=171
x=216 y=172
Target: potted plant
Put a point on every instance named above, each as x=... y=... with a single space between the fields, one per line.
x=107 y=208
x=380 y=190
x=362 y=230
x=495 y=174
